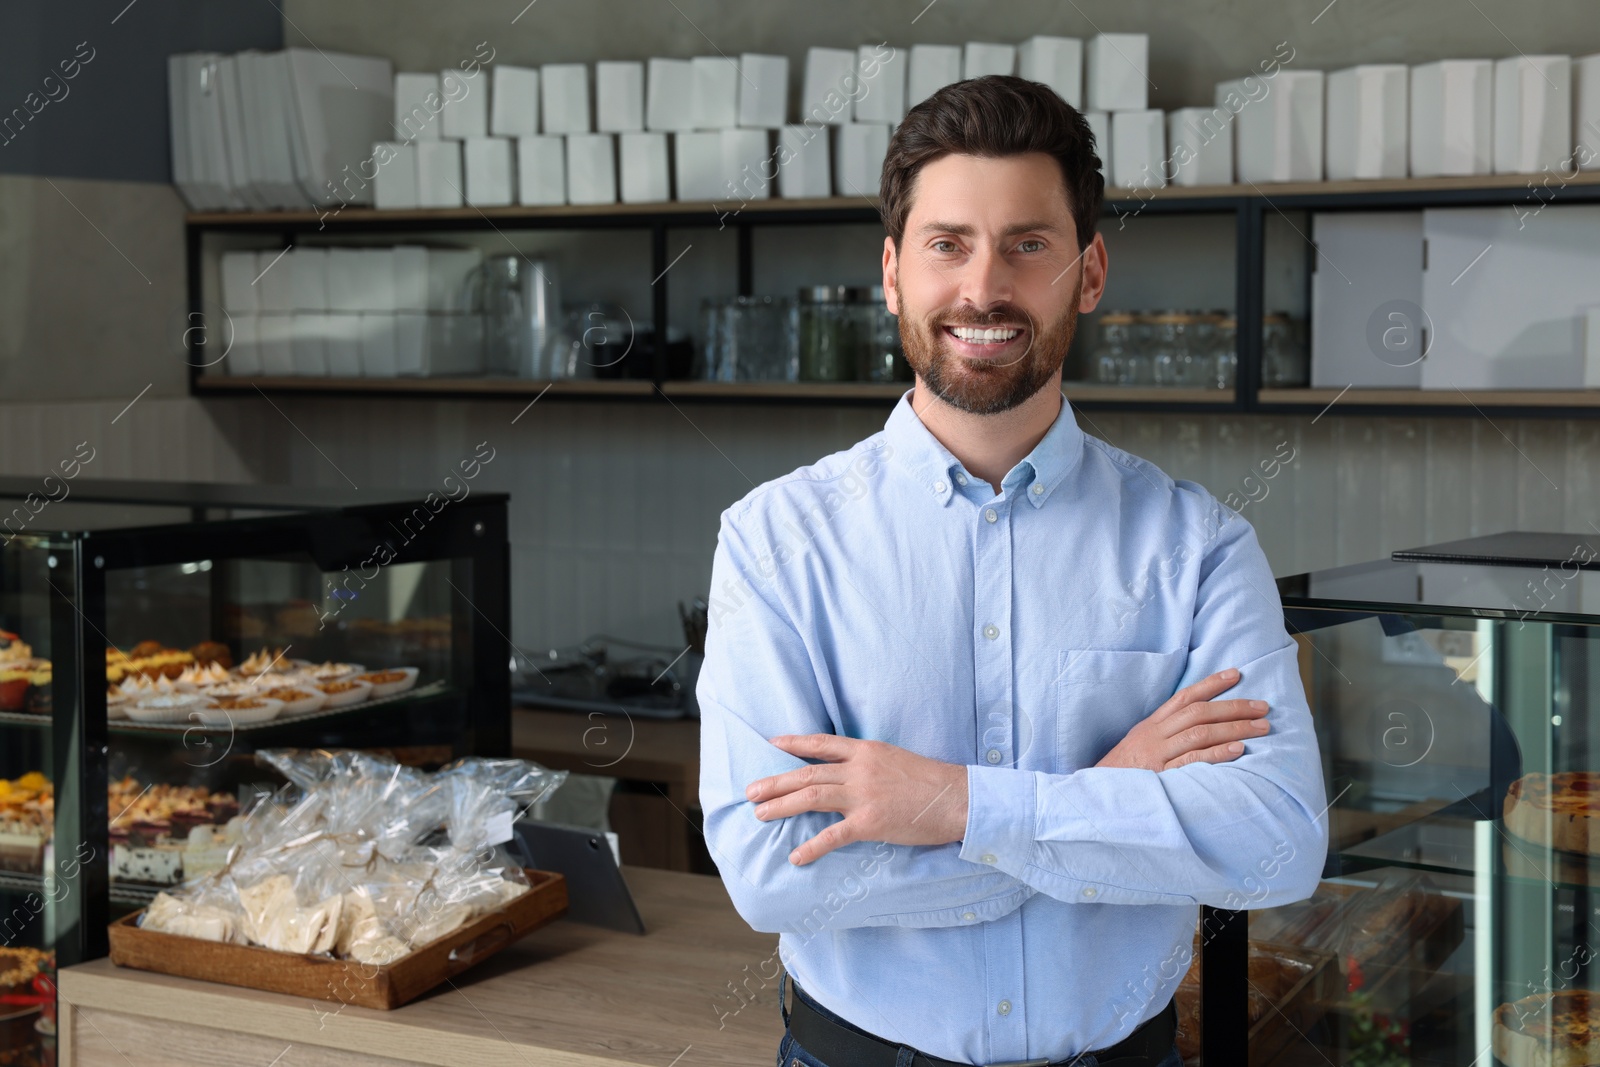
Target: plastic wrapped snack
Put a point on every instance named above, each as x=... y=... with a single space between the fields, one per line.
x=360 y=857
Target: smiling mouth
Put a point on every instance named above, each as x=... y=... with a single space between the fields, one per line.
x=984 y=341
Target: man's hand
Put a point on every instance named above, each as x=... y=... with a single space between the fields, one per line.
x=885 y=793
x=1192 y=728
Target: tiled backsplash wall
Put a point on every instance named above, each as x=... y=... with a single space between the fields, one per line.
x=615 y=506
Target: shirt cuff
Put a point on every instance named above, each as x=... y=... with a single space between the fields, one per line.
x=1000 y=818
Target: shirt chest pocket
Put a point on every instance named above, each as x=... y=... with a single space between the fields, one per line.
x=1102 y=694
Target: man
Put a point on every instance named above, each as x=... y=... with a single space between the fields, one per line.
x=959 y=742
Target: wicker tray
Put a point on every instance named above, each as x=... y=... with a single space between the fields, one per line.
x=324 y=978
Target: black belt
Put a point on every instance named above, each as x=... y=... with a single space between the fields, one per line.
x=842 y=1046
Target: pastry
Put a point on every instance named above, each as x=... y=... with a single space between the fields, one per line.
x=1560 y=1029
x=13 y=650
x=267 y=659
x=238 y=710
x=1559 y=811
x=395 y=680
x=212 y=653
x=201 y=676
x=19 y=965
x=13 y=688
x=145 y=648
x=328 y=672
x=40 y=691
x=161 y=863
x=296 y=699
x=345 y=691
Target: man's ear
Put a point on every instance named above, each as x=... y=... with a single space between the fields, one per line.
x=891 y=297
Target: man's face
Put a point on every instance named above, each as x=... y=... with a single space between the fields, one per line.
x=988 y=281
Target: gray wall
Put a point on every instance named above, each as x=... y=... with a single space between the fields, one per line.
x=615 y=506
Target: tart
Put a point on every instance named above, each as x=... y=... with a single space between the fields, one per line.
x=212 y=653
x=395 y=680
x=1559 y=1029
x=344 y=691
x=174 y=708
x=296 y=699
x=19 y=965
x=238 y=710
x=263 y=661
x=1560 y=811
x=327 y=672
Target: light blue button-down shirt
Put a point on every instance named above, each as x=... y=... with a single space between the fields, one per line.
x=886 y=593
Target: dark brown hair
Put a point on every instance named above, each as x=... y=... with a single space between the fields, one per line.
x=995 y=115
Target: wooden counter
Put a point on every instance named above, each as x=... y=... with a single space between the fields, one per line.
x=692 y=991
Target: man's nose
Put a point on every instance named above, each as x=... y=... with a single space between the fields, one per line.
x=987 y=279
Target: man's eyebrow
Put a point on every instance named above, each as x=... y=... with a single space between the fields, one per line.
x=963 y=229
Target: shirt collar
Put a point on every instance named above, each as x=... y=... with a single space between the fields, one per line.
x=932 y=466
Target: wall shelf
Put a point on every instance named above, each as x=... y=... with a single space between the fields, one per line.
x=1249 y=204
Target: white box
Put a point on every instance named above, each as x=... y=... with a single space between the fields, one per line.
x=308 y=278
x=343 y=344
x=979 y=59
x=347 y=285
x=858 y=165
x=273 y=284
x=713 y=95
x=1367 y=109
x=803 y=162
x=1586 y=112
x=466 y=109
x=439 y=173
x=1200 y=146
x=564 y=92
x=417 y=104
x=1278 y=137
x=1591 y=336
x=763 y=90
x=830 y=84
x=448 y=270
x=591 y=168
x=697 y=165
x=881 y=70
x=514 y=102
x=307 y=343
x=378 y=358
x=618 y=96
x=1512 y=317
x=239 y=295
x=669 y=94
x=933 y=66
x=747 y=159
x=490 y=180
x=394 y=186
x=274 y=333
x=1532 y=114
x=410 y=342
x=1055 y=61
x=1452 y=115
x=1138 y=149
x=1116 y=72
x=1100 y=125
x=542 y=169
x=243 y=356
x=410 y=266
x=1366 y=288
x=644 y=168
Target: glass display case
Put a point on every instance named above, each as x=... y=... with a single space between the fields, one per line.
x=154 y=636
x=1458 y=712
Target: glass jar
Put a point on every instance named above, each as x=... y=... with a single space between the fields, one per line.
x=1283 y=362
x=828 y=332
x=1141 y=370
x=1114 y=348
x=1171 y=361
x=1225 y=353
x=747 y=339
x=879 y=356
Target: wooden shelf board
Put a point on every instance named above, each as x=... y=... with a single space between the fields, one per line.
x=1145 y=394
x=510 y=386
x=1437 y=397
x=788 y=390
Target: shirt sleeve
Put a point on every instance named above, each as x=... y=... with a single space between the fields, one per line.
x=759 y=681
x=1249 y=833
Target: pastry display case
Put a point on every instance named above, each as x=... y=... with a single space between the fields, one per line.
x=1457 y=707
x=154 y=636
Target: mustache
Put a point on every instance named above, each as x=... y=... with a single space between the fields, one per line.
x=970 y=316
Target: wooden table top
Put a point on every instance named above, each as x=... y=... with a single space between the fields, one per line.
x=620 y=745
x=692 y=991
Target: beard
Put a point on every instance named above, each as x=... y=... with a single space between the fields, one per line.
x=977 y=386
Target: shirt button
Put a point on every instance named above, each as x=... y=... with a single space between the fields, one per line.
x=1004 y=1008
x=1090 y=892
x=990 y=515
x=938 y=487
x=987 y=857
x=991 y=632
x=969 y=915
x=961 y=479
x=993 y=755
x=1037 y=489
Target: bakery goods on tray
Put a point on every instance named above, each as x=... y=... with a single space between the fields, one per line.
x=1556 y=810
x=1559 y=1029
x=150 y=827
x=27 y=817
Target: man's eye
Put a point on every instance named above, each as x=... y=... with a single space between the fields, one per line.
x=1031 y=241
x=944 y=246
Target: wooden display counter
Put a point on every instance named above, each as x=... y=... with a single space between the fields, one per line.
x=569 y=995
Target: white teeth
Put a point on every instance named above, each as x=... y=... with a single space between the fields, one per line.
x=981 y=336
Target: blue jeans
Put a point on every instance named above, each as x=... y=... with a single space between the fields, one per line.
x=790 y=1054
